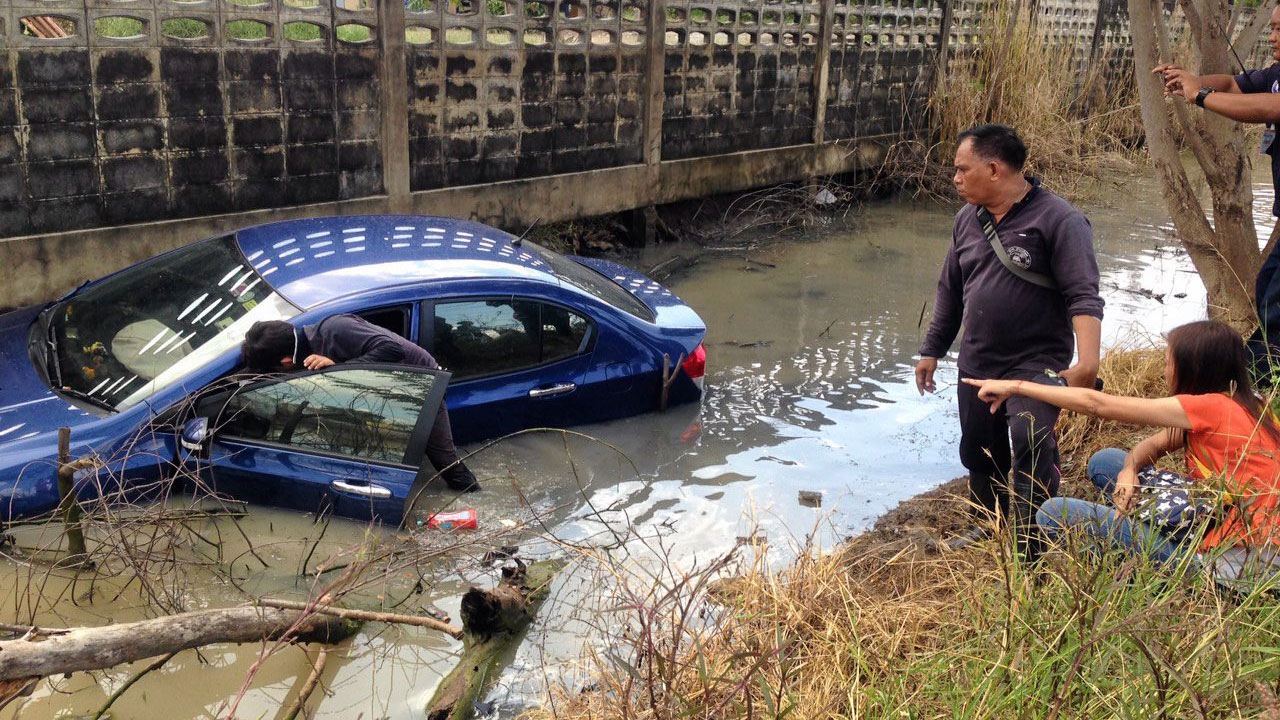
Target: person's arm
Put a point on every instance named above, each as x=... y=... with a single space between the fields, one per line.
x=1228 y=101
x=1143 y=454
x=944 y=325
x=1175 y=78
x=1164 y=412
x=380 y=349
x=1088 y=331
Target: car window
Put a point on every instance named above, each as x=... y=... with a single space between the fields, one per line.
x=564 y=332
x=485 y=337
x=146 y=327
x=359 y=412
x=602 y=287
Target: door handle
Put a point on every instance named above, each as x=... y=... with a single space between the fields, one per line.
x=558 y=389
x=363 y=489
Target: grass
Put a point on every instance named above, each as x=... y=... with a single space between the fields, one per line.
x=883 y=630
x=187 y=28
x=1074 y=125
x=887 y=627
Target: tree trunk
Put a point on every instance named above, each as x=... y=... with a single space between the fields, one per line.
x=1225 y=254
x=41 y=653
x=493 y=621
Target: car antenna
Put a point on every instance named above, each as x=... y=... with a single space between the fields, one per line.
x=517 y=241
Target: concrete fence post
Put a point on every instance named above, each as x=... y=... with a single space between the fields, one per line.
x=655 y=83
x=944 y=42
x=822 y=72
x=394 y=90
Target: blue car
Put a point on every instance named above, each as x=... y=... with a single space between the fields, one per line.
x=145 y=361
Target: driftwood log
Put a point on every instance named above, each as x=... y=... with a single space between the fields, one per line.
x=44 y=652
x=493 y=623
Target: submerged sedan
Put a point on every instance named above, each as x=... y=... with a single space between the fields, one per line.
x=528 y=337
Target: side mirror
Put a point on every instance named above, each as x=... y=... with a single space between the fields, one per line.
x=194 y=433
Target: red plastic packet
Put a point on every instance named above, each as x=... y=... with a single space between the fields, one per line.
x=457 y=520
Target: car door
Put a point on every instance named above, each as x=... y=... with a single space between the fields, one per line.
x=348 y=438
x=517 y=362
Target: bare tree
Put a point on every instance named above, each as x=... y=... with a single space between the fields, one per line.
x=1224 y=250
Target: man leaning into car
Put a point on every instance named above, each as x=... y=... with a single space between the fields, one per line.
x=276 y=346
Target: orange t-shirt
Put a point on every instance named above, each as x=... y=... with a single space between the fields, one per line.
x=1226 y=441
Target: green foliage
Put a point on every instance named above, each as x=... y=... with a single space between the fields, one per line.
x=353 y=33
x=118 y=27
x=419 y=5
x=185 y=28
x=302 y=31
x=535 y=10
x=246 y=29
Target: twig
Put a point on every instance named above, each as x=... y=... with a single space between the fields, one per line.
x=309 y=686
x=668 y=379
x=364 y=615
x=156 y=665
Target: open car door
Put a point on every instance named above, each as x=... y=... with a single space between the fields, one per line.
x=349 y=438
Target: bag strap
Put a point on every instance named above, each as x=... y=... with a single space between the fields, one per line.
x=989 y=229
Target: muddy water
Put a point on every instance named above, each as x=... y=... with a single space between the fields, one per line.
x=810 y=350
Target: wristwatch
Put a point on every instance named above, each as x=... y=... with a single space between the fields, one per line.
x=1204 y=93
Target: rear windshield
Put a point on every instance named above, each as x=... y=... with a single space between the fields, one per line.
x=599 y=285
x=146 y=327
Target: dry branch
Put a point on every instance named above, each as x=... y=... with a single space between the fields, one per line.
x=41 y=653
x=366 y=615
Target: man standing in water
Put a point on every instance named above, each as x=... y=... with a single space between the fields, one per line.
x=1022 y=279
x=1253 y=96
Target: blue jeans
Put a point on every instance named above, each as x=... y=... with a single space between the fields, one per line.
x=1239 y=567
x=1101 y=522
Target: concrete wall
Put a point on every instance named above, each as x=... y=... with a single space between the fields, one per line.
x=128 y=136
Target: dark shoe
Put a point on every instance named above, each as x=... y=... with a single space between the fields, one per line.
x=972 y=536
x=460 y=478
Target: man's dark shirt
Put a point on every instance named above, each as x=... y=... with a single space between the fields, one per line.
x=1266 y=80
x=352 y=339
x=1266 y=289
x=1009 y=323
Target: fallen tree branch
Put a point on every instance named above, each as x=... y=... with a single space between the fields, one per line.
x=308 y=687
x=41 y=653
x=494 y=621
x=366 y=615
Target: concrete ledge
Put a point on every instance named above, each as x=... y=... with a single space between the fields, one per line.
x=42 y=267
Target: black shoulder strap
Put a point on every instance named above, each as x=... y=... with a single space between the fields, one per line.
x=989 y=229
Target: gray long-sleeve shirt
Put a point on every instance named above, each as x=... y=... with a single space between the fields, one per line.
x=350 y=338
x=1009 y=323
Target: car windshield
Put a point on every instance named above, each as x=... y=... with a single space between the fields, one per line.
x=146 y=327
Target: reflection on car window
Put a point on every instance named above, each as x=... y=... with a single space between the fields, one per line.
x=145 y=327
x=365 y=413
x=598 y=285
x=484 y=337
x=564 y=333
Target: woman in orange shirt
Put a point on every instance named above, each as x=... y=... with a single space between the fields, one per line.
x=1214 y=414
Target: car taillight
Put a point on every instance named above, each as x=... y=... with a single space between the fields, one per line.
x=695 y=366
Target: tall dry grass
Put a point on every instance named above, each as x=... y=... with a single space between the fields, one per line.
x=887 y=627
x=1076 y=123
x=885 y=631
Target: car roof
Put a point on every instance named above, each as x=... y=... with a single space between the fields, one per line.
x=312 y=261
